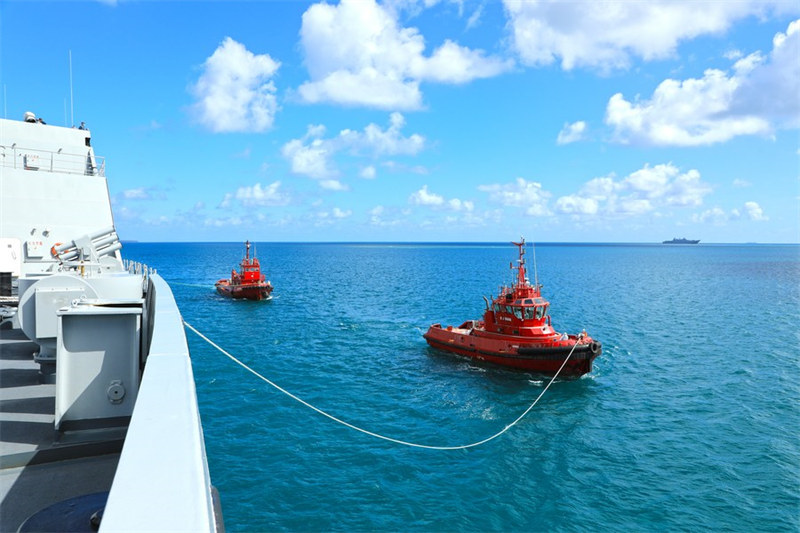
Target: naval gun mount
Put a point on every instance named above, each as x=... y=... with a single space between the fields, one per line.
x=87 y=315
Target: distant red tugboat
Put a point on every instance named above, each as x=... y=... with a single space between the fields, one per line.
x=249 y=284
x=516 y=331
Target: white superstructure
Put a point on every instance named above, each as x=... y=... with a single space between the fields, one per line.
x=109 y=346
x=52 y=189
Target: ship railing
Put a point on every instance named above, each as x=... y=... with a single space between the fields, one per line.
x=163 y=467
x=134 y=267
x=33 y=159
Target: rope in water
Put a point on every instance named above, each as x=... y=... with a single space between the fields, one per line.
x=377 y=435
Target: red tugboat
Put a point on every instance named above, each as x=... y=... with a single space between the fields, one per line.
x=516 y=332
x=249 y=284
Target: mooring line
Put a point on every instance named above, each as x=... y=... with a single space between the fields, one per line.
x=377 y=435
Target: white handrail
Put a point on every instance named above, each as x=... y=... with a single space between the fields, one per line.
x=49 y=161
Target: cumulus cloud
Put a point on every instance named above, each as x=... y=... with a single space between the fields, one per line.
x=528 y=195
x=256 y=195
x=754 y=212
x=770 y=90
x=235 y=92
x=313 y=154
x=384 y=142
x=716 y=216
x=333 y=185
x=575 y=204
x=719 y=217
x=311 y=159
x=423 y=197
x=641 y=192
x=758 y=94
x=607 y=35
x=427 y=198
x=571 y=133
x=357 y=54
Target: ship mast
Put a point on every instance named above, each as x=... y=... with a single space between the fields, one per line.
x=521 y=279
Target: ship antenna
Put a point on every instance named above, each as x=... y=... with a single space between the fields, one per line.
x=71 y=101
x=535 y=273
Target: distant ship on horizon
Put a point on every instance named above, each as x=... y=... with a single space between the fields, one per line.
x=681 y=241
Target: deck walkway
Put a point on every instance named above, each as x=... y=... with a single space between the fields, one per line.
x=39 y=466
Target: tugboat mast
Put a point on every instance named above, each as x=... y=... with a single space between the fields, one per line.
x=522 y=280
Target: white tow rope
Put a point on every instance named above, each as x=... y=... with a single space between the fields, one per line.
x=376 y=435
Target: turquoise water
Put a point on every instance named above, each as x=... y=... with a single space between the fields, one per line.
x=689 y=421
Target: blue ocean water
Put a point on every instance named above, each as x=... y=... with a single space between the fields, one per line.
x=689 y=421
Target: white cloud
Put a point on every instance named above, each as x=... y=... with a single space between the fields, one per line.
x=256 y=195
x=475 y=18
x=357 y=54
x=222 y=222
x=607 y=35
x=741 y=184
x=312 y=159
x=770 y=90
x=333 y=185
x=571 y=133
x=754 y=212
x=643 y=191
x=759 y=94
x=460 y=205
x=397 y=167
x=688 y=113
x=378 y=142
x=136 y=194
x=235 y=91
x=327 y=218
x=378 y=214
x=733 y=55
x=525 y=194
x=368 y=172
x=427 y=198
x=312 y=155
x=718 y=217
x=423 y=197
x=574 y=204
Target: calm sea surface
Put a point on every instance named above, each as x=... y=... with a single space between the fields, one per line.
x=689 y=421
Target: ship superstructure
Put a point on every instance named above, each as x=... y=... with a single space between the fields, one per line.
x=99 y=409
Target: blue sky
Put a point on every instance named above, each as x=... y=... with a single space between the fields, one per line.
x=413 y=120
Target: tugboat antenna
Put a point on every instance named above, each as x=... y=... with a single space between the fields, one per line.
x=535 y=273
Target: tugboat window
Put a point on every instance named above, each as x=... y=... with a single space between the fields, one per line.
x=529 y=313
x=518 y=312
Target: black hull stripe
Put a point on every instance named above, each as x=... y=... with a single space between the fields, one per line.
x=555 y=354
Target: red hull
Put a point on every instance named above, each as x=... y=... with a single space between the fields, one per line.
x=517 y=352
x=262 y=291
